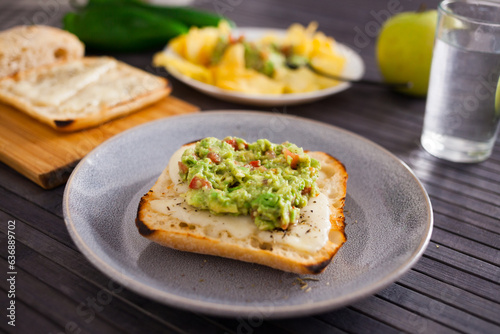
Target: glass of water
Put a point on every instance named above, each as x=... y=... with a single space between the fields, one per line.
x=463 y=102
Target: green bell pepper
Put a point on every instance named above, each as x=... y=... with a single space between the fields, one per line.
x=125 y=28
x=132 y=25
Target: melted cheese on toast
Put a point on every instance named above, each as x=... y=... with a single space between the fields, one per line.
x=309 y=234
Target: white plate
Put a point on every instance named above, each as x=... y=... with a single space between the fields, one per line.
x=388 y=220
x=354 y=69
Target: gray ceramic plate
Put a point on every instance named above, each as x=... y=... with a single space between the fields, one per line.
x=388 y=217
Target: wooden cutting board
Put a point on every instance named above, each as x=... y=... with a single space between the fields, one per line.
x=47 y=157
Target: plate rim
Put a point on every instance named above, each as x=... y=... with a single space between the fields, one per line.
x=217 y=309
x=267 y=99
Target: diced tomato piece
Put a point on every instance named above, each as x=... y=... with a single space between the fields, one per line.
x=255 y=163
x=235 y=145
x=294 y=156
x=215 y=157
x=198 y=183
x=183 y=168
x=232 y=142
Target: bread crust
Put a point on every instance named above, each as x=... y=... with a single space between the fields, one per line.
x=26 y=47
x=160 y=88
x=194 y=241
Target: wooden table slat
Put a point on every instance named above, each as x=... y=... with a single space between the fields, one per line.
x=44 y=299
x=454 y=258
x=438 y=311
x=426 y=171
x=42 y=220
x=352 y=320
x=23 y=311
x=400 y=317
x=466 y=230
x=466 y=253
x=455 y=277
x=451 y=295
x=467 y=201
x=110 y=307
x=463 y=215
x=312 y=325
x=15 y=183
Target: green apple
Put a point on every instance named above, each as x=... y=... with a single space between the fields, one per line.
x=404 y=49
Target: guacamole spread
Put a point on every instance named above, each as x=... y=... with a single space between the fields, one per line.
x=270 y=182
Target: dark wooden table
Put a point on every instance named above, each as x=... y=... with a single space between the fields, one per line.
x=455 y=286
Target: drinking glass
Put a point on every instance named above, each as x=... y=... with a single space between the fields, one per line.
x=463 y=102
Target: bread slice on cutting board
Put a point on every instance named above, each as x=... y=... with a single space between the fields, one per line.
x=79 y=93
x=26 y=47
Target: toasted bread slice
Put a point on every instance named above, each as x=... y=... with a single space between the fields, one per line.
x=82 y=93
x=26 y=47
x=306 y=248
